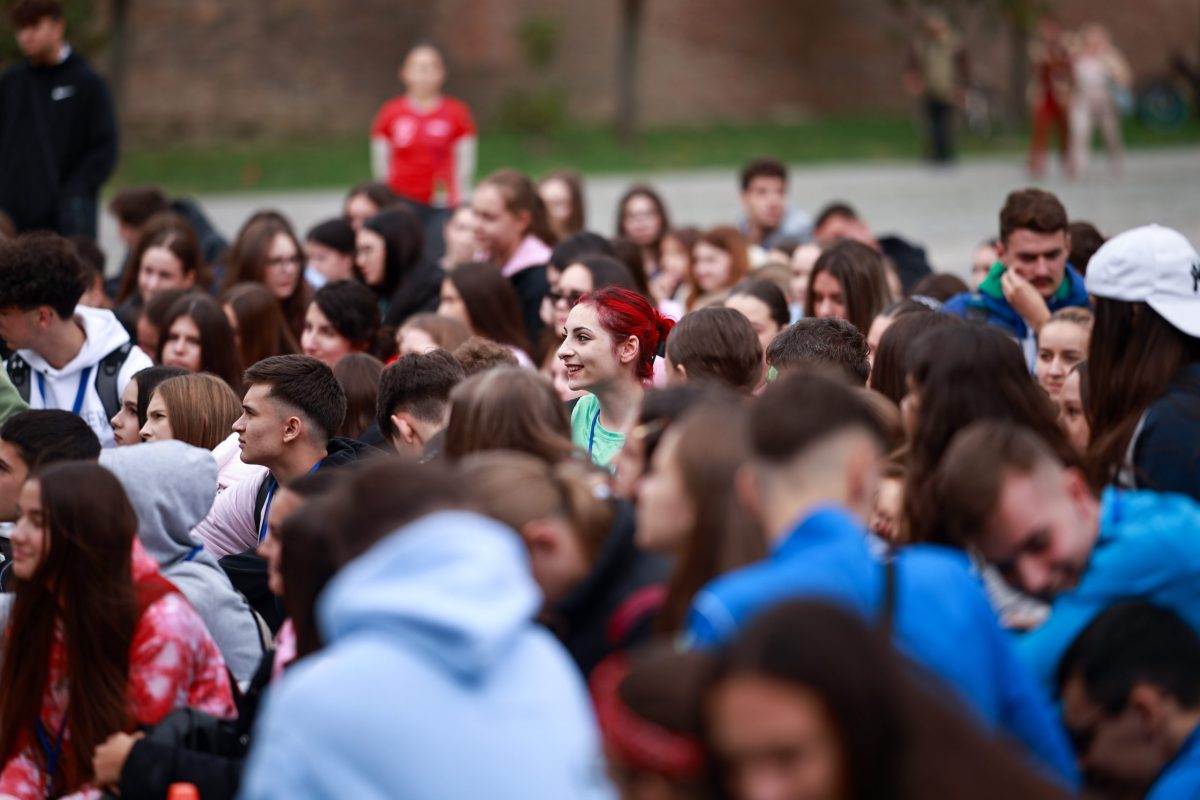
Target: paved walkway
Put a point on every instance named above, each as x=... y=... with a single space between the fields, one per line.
x=947 y=210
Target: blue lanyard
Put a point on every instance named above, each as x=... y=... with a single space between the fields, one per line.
x=592 y=434
x=79 y=393
x=195 y=551
x=52 y=753
x=266 y=515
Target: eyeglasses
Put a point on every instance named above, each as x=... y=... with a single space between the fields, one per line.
x=284 y=261
x=570 y=298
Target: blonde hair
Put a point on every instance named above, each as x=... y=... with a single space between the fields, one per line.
x=202 y=408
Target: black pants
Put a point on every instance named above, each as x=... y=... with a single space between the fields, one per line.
x=941 y=130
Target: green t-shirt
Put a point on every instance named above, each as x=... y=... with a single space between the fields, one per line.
x=588 y=435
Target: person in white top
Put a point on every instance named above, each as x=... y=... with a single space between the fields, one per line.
x=1100 y=71
x=68 y=357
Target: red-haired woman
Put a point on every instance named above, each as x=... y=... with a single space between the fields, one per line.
x=98 y=641
x=612 y=336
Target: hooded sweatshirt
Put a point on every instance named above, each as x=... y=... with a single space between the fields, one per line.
x=435 y=682
x=104 y=334
x=171 y=486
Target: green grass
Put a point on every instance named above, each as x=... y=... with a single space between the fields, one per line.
x=340 y=162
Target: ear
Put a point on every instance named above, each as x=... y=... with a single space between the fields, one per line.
x=1076 y=485
x=1001 y=250
x=541 y=537
x=676 y=373
x=628 y=350
x=293 y=429
x=46 y=316
x=862 y=476
x=1149 y=705
x=189 y=278
x=524 y=217
x=405 y=429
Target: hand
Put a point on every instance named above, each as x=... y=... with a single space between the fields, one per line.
x=109 y=758
x=1025 y=300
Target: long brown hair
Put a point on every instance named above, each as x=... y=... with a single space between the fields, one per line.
x=358 y=374
x=732 y=243
x=218 y=354
x=508 y=408
x=860 y=272
x=574 y=183
x=248 y=262
x=712 y=444
x=491 y=302
x=85 y=583
x=262 y=331
x=967 y=373
x=1133 y=356
x=201 y=407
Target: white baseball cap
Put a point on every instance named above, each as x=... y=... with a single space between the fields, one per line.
x=1152 y=265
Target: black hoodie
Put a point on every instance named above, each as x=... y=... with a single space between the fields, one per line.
x=58 y=144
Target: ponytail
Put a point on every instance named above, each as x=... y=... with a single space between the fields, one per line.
x=624 y=313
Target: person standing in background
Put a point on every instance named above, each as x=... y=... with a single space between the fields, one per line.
x=58 y=132
x=423 y=143
x=1100 y=72
x=1050 y=96
x=937 y=73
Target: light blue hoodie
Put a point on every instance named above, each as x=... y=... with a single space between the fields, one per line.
x=435 y=682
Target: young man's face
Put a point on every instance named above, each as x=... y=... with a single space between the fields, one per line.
x=13 y=472
x=260 y=428
x=41 y=41
x=1040 y=258
x=765 y=199
x=1042 y=532
x=1121 y=753
x=18 y=328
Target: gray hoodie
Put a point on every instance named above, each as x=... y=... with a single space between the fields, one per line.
x=171 y=486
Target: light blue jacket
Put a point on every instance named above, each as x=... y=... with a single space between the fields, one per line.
x=435 y=682
x=941 y=619
x=1148 y=549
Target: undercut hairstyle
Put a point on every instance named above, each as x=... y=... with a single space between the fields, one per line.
x=351 y=309
x=305 y=384
x=1032 y=210
x=827 y=341
x=136 y=205
x=862 y=277
x=46 y=436
x=763 y=168
x=418 y=384
x=717 y=344
x=41 y=269
x=801 y=409
x=1130 y=643
x=30 y=12
x=970 y=477
x=202 y=408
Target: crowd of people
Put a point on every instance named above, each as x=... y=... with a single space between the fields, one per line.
x=472 y=501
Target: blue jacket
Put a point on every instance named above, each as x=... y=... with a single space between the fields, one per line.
x=989 y=305
x=435 y=683
x=941 y=619
x=1180 y=780
x=1148 y=549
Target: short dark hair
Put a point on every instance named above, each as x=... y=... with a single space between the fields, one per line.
x=838 y=208
x=41 y=269
x=1085 y=241
x=830 y=341
x=47 y=436
x=478 y=354
x=31 y=12
x=136 y=205
x=971 y=473
x=1134 y=642
x=420 y=384
x=351 y=309
x=719 y=344
x=306 y=384
x=1032 y=209
x=763 y=168
x=578 y=245
x=802 y=408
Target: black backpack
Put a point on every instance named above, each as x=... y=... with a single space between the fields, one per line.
x=106 y=377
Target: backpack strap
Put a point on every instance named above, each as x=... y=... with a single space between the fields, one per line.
x=18 y=373
x=106 y=379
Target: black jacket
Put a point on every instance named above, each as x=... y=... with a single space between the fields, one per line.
x=58 y=144
x=586 y=621
x=531 y=285
x=420 y=290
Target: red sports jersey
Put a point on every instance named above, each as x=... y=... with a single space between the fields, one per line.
x=423 y=146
